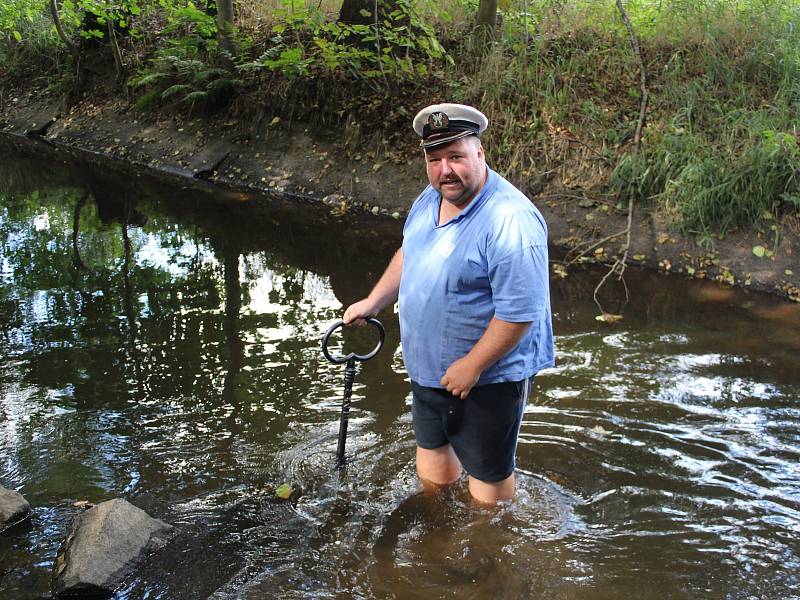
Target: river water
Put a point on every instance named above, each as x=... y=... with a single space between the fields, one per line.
x=162 y=345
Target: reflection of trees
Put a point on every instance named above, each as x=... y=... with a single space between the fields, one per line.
x=128 y=300
x=235 y=346
x=76 y=227
x=175 y=353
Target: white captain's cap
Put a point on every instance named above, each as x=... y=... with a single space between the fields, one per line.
x=441 y=124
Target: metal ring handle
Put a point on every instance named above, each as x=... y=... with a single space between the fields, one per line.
x=338 y=360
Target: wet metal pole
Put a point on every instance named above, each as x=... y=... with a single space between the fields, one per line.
x=349 y=377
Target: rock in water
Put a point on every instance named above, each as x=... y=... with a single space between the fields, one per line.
x=13 y=508
x=104 y=546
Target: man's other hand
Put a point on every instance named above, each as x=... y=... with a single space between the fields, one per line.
x=359 y=312
x=460 y=377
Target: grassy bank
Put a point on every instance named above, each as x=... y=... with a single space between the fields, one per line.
x=558 y=80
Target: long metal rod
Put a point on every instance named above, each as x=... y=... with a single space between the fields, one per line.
x=349 y=377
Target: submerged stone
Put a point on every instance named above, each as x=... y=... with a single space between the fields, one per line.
x=104 y=546
x=13 y=508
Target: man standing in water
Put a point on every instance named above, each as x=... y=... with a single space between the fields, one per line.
x=475 y=322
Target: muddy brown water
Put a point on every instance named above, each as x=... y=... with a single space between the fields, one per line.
x=162 y=344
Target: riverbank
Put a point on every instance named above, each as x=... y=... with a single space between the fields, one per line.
x=688 y=112
x=310 y=164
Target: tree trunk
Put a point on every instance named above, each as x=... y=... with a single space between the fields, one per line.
x=487 y=14
x=225 y=26
x=351 y=14
x=112 y=38
x=60 y=28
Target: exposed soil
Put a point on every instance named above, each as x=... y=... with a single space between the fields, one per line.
x=304 y=162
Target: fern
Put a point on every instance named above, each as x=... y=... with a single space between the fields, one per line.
x=194 y=96
x=147 y=79
x=209 y=74
x=220 y=85
x=174 y=89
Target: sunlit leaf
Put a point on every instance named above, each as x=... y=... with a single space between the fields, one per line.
x=608 y=318
x=759 y=251
x=284 y=491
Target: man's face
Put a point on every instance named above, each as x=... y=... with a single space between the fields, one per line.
x=458 y=170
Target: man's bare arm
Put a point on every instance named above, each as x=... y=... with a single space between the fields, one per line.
x=498 y=339
x=382 y=295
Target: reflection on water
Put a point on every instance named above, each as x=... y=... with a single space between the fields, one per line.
x=163 y=345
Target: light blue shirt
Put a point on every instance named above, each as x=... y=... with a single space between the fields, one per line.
x=489 y=261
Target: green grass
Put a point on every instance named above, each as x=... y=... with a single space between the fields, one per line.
x=721 y=149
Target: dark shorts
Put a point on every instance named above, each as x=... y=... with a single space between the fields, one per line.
x=482 y=429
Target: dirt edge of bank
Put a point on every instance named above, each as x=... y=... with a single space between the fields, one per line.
x=300 y=162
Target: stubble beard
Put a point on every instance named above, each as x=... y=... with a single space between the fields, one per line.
x=463 y=196
x=467 y=194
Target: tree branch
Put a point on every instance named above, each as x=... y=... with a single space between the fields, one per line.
x=60 y=29
x=591 y=246
x=637 y=138
x=112 y=36
x=620 y=262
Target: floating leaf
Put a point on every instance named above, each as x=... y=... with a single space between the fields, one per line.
x=759 y=251
x=275 y=121
x=608 y=318
x=639 y=257
x=284 y=491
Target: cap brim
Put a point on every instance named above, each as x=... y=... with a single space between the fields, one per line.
x=441 y=141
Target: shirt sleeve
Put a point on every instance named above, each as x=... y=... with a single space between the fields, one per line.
x=519 y=285
x=518 y=268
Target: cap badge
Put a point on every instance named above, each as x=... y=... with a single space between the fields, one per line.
x=438 y=120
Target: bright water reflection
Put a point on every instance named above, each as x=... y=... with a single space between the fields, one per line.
x=164 y=347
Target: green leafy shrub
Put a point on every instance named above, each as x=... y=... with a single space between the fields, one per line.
x=398 y=45
x=188 y=69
